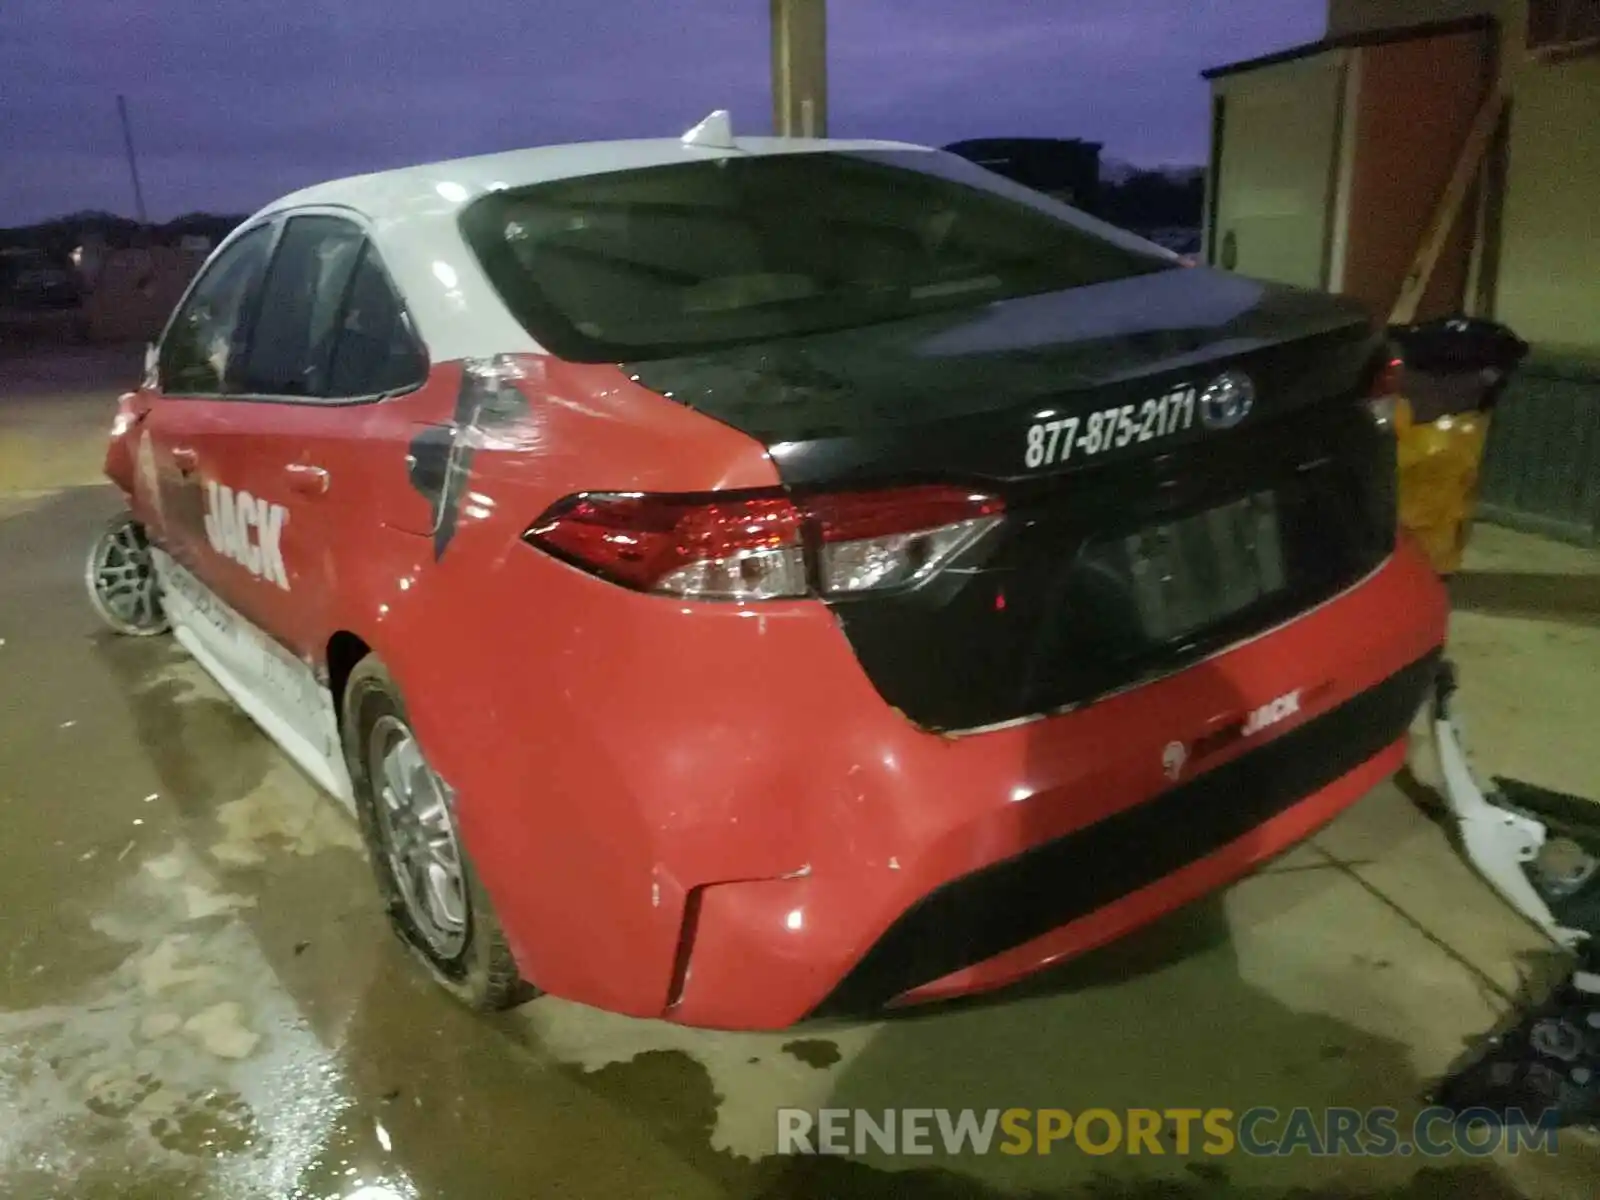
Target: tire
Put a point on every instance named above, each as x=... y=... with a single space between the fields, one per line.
x=120 y=576
x=473 y=961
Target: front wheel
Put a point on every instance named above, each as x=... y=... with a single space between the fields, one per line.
x=121 y=577
x=430 y=889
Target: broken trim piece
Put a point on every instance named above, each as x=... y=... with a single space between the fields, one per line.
x=1499 y=841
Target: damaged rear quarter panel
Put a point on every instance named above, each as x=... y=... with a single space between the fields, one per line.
x=485 y=633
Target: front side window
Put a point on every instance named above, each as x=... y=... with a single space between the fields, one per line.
x=207 y=334
x=668 y=260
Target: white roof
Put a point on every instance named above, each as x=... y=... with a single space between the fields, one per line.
x=412 y=216
x=409 y=191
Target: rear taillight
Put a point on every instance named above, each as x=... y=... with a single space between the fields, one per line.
x=868 y=540
x=736 y=547
x=763 y=545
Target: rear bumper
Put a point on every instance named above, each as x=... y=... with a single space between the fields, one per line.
x=708 y=814
x=1006 y=893
x=1059 y=898
x=1239 y=813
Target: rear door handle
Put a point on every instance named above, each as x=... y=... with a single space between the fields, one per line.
x=186 y=458
x=307 y=478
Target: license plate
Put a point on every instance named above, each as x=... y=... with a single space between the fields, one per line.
x=1195 y=571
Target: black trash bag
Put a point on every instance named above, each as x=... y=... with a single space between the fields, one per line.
x=1454 y=364
x=1453 y=344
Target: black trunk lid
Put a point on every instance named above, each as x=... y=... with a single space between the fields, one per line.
x=1144 y=527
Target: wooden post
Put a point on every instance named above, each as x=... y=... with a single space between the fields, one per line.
x=800 y=68
x=1448 y=208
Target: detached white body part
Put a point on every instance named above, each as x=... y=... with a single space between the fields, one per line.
x=1500 y=842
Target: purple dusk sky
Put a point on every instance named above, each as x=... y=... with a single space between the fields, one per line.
x=235 y=102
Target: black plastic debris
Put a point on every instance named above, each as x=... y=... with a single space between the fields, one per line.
x=1540 y=849
x=1549 y=1061
x=1566 y=871
x=1545 y=1067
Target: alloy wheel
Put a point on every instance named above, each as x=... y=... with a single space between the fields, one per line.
x=122 y=581
x=419 y=838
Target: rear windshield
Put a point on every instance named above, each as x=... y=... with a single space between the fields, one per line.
x=664 y=261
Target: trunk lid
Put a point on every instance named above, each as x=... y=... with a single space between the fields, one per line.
x=1149 y=520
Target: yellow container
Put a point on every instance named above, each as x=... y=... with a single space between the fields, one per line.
x=1439 y=463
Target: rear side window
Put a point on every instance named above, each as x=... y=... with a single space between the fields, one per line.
x=376 y=350
x=207 y=334
x=292 y=343
x=330 y=325
x=668 y=260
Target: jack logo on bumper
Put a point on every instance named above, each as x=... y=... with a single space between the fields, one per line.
x=1282 y=708
x=247 y=530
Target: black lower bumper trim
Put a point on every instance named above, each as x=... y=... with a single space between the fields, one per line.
x=1009 y=903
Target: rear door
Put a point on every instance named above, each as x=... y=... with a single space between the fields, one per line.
x=331 y=341
x=284 y=452
x=265 y=445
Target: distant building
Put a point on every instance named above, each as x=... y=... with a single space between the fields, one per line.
x=1329 y=160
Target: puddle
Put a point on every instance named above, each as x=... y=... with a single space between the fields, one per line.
x=750 y=1074
x=188 y=1057
x=162 y=970
x=283 y=814
x=159 y=1025
x=220 y=1030
x=814 y=1052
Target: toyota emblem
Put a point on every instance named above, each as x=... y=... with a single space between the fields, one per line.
x=1227 y=400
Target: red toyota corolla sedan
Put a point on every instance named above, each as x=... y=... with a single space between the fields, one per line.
x=732 y=580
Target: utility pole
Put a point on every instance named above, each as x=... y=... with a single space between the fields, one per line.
x=800 y=68
x=133 y=163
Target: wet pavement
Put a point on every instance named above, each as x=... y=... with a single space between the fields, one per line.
x=200 y=999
